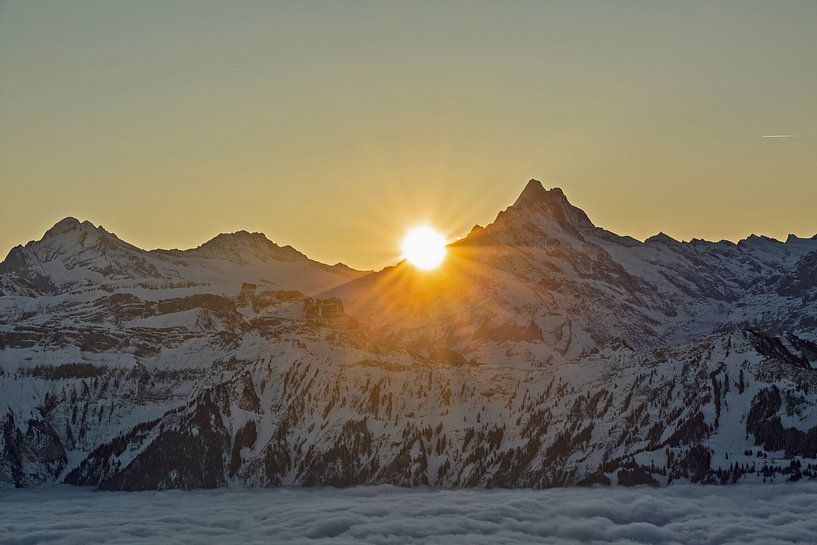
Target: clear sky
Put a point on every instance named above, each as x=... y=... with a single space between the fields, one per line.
x=334 y=126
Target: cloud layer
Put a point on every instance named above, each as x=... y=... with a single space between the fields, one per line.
x=745 y=514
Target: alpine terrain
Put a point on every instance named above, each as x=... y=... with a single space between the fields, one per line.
x=546 y=351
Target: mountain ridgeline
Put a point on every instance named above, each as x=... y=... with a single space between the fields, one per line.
x=545 y=352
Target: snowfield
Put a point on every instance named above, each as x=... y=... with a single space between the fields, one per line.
x=683 y=514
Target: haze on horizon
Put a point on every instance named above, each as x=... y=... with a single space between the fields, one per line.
x=334 y=127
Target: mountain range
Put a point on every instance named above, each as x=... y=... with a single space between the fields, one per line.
x=547 y=351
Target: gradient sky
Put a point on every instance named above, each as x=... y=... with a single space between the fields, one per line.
x=334 y=126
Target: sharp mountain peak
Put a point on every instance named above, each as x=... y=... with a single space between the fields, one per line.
x=535 y=193
x=546 y=209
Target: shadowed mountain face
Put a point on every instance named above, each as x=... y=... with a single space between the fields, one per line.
x=545 y=352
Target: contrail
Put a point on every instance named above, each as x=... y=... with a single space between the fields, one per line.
x=779 y=135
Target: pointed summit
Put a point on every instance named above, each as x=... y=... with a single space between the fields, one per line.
x=548 y=205
x=535 y=193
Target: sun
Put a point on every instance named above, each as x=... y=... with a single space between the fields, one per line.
x=424 y=247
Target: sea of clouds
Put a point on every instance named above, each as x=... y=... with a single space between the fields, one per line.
x=745 y=514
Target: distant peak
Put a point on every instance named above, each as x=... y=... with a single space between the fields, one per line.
x=759 y=240
x=242 y=244
x=238 y=239
x=476 y=229
x=241 y=235
x=661 y=238
x=71 y=225
x=67 y=223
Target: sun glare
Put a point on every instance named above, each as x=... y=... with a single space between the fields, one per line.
x=424 y=247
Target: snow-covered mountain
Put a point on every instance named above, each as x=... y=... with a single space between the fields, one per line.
x=547 y=351
x=542 y=272
x=78 y=257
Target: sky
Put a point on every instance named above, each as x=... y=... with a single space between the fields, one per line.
x=336 y=126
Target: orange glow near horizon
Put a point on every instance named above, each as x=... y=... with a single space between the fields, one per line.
x=333 y=130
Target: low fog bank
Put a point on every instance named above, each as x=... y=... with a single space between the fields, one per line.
x=745 y=514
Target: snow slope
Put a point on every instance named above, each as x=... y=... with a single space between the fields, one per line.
x=546 y=352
